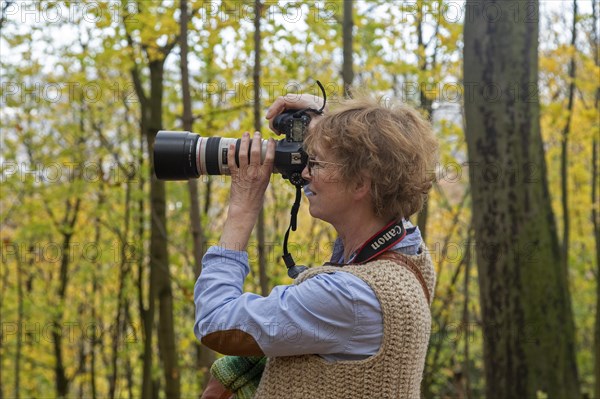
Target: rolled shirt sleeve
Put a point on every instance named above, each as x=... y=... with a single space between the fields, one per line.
x=333 y=314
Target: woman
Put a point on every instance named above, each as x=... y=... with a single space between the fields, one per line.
x=357 y=331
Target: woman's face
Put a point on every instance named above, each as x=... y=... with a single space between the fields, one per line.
x=327 y=194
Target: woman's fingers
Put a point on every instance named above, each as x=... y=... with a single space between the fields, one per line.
x=276 y=108
x=292 y=101
x=244 y=145
x=255 y=149
x=249 y=167
x=270 y=155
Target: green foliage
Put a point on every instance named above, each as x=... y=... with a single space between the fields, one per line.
x=554 y=60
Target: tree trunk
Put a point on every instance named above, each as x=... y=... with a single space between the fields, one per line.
x=595 y=207
x=260 y=224
x=525 y=302
x=20 y=313
x=160 y=279
x=466 y=319
x=66 y=227
x=94 y=341
x=564 y=158
x=160 y=275
x=596 y=226
x=426 y=104
x=188 y=121
x=124 y=270
x=204 y=356
x=146 y=312
x=62 y=382
x=347 y=26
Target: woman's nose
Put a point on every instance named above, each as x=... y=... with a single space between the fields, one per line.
x=305 y=175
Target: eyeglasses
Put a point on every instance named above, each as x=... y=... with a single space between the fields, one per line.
x=312 y=163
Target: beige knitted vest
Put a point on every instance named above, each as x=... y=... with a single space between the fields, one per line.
x=393 y=372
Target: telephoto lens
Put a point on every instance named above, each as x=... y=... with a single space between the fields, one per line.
x=184 y=155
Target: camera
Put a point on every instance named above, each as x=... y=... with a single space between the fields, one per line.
x=185 y=155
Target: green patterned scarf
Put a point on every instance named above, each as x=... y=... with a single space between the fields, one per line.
x=239 y=374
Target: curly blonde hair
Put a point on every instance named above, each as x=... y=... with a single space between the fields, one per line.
x=392 y=143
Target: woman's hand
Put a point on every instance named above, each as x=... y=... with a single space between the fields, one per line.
x=249 y=181
x=294 y=101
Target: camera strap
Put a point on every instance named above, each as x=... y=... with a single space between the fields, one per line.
x=380 y=242
x=293 y=270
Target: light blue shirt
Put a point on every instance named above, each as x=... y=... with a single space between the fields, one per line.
x=336 y=315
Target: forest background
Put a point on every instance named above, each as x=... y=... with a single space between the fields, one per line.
x=99 y=260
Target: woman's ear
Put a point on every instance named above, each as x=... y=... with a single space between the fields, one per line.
x=362 y=187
